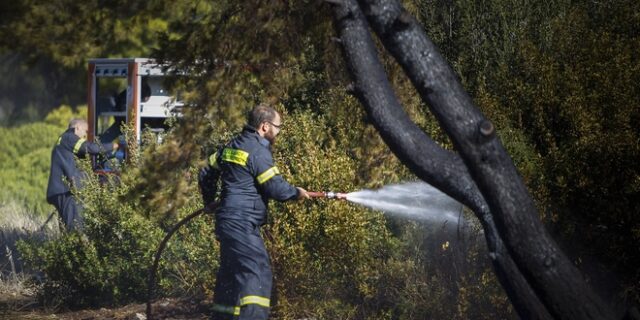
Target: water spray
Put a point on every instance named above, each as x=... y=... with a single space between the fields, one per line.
x=414 y=200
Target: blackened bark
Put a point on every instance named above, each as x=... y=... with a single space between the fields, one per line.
x=441 y=168
x=555 y=280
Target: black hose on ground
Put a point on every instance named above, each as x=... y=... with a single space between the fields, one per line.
x=163 y=244
x=47 y=221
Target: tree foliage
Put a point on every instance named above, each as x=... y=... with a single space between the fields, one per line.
x=44 y=47
x=570 y=90
x=559 y=79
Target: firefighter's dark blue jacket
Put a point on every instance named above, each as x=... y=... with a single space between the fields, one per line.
x=249 y=178
x=63 y=165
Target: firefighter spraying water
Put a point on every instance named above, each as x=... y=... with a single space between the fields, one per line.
x=416 y=200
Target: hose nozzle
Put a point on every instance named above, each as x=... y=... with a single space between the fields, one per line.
x=336 y=195
x=328 y=195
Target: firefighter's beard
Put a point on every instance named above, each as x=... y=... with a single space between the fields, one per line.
x=271 y=139
x=271 y=136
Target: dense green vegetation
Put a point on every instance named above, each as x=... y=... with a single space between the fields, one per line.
x=559 y=80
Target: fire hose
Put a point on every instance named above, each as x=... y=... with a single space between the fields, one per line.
x=151 y=280
x=156 y=260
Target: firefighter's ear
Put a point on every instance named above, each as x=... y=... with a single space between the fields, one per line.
x=263 y=128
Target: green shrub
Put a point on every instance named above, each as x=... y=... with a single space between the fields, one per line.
x=61 y=116
x=26 y=156
x=336 y=260
x=24 y=164
x=107 y=263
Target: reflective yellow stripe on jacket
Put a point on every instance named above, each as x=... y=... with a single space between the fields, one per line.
x=76 y=148
x=265 y=176
x=235 y=156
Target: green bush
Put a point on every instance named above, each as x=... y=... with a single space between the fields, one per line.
x=24 y=164
x=107 y=263
x=574 y=96
x=336 y=260
x=26 y=156
x=61 y=116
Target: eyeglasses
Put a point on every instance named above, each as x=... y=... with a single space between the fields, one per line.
x=278 y=126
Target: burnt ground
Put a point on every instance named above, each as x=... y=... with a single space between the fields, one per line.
x=23 y=308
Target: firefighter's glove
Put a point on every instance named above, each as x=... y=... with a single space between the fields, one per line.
x=211 y=207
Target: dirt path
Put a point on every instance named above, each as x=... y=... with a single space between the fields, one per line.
x=162 y=309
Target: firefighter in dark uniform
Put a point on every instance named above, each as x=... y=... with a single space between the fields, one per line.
x=249 y=179
x=64 y=172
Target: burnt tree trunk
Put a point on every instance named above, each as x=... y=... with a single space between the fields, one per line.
x=441 y=168
x=539 y=279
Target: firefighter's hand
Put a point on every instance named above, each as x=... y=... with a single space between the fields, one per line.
x=302 y=193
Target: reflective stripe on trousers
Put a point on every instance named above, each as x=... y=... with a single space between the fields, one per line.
x=245 y=304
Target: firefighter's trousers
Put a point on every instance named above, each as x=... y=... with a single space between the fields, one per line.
x=69 y=210
x=244 y=280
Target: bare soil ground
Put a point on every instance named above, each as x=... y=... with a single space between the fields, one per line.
x=17 y=307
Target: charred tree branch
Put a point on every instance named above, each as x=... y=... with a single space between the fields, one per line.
x=441 y=168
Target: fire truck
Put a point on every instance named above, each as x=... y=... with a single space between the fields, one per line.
x=128 y=91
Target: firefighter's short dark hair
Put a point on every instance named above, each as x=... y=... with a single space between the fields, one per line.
x=76 y=122
x=261 y=113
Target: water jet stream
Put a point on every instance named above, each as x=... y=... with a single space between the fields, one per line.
x=415 y=200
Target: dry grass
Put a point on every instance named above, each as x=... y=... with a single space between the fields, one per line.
x=16 y=222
